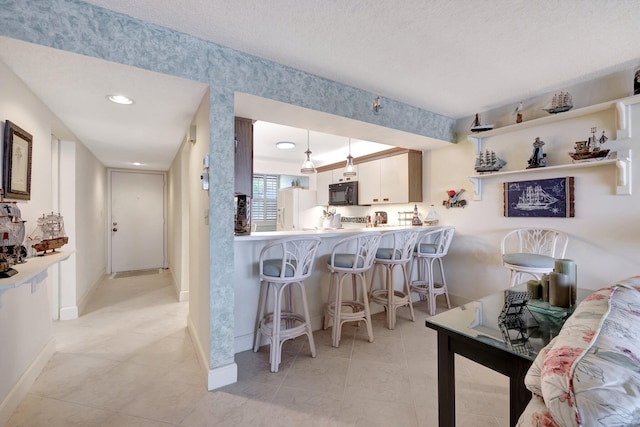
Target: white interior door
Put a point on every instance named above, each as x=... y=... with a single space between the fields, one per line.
x=137 y=221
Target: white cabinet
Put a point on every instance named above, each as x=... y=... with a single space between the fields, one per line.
x=338 y=175
x=395 y=179
x=621 y=159
x=323 y=179
x=334 y=176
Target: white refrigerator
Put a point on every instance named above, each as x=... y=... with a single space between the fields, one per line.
x=292 y=204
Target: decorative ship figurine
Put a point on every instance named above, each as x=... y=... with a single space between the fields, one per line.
x=12 y=235
x=559 y=103
x=488 y=162
x=49 y=234
x=477 y=127
x=590 y=150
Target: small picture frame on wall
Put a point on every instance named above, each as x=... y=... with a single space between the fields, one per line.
x=540 y=198
x=17 y=152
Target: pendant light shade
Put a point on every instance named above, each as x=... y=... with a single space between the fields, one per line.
x=308 y=167
x=350 y=170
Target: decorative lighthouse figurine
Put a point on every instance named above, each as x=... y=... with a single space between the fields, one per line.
x=416 y=218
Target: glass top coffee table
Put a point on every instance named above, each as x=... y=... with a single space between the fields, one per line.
x=506 y=341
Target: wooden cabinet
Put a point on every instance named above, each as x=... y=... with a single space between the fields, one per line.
x=394 y=179
x=243 y=183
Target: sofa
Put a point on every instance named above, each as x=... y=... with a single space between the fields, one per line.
x=589 y=374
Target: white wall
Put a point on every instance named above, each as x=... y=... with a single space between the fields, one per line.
x=198 y=238
x=25 y=319
x=603 y=236
x=178 y=223
x=90 y=221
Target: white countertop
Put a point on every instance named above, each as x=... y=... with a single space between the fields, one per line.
x=269 y=235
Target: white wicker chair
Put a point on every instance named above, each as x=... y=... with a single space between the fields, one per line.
x=532 y=251
x=396 y=251
x=432 y=246
x=353 y=256
x=284 y=264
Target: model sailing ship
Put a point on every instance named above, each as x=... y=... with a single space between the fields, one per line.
x=12 y=233
x=590 y=149
x=49 y=234
x=534 y=198
x=476 y=126
x=559 y=103
x=488 y=162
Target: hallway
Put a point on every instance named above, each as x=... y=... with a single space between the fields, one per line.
x=129 y=361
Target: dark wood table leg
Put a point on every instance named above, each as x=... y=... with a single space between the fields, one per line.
x=446 y=382
x=519 y=395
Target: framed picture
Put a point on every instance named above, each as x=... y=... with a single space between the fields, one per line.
x=540 y=198
x=16 y=178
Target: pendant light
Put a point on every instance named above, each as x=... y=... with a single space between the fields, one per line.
x=307 y=166
x=350 y=171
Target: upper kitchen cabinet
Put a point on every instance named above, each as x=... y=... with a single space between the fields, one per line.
x=323 y=179
x=394 y=179
x=243 y=156
x=338 y=175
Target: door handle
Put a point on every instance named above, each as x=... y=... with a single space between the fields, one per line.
x=114 y=229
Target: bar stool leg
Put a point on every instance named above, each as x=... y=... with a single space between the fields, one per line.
x=444 y=283
x=307 y=319
x=391 y=308
x=337 y=325
x=275 y=347
x=408 y=291
x=263 y=300
x=328 y=319
x=367 y=310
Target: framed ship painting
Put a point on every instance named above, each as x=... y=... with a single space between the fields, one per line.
x=540 y=198
x=16 y=178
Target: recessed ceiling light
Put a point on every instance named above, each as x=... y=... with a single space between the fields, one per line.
x=137 y=164
x=120 y=99
x=285 y=145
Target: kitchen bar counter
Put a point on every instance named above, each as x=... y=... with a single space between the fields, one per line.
x=247 y=282
x=326 y=232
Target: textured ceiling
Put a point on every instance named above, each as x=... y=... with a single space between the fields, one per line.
x=452 y=57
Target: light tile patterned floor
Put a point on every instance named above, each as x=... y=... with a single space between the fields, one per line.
x=129 y=361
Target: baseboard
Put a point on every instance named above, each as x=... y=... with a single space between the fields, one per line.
x=183 y=296
x=202 y=357
x=21 y=388
x=218 y=377
x=222 y=376
x=68 y=313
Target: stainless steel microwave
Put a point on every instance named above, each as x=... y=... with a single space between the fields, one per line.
x=343 y=194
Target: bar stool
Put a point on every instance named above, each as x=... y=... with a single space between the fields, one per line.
x=284 y=263
x=353 y=257
x=432 y=246
x=398 y=254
